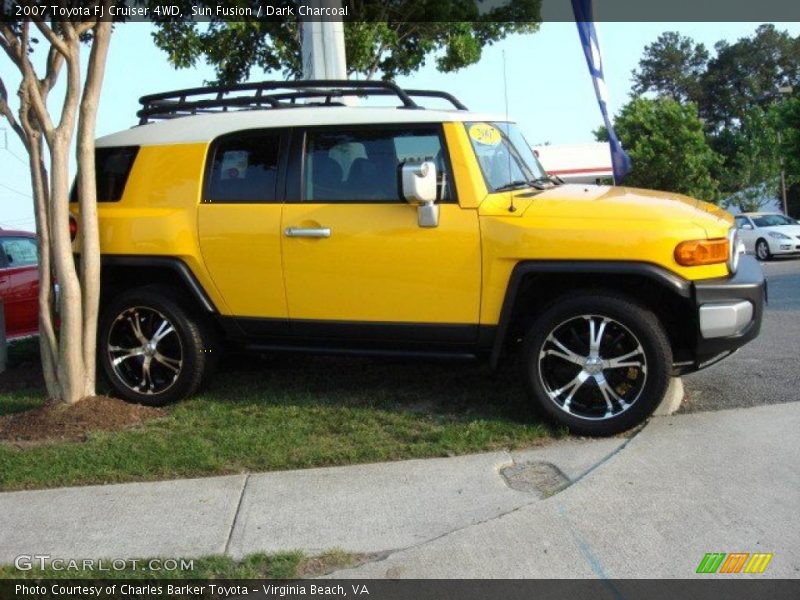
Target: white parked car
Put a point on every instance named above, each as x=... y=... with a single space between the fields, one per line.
x=768 y=234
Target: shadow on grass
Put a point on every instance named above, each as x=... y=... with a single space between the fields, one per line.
x=459 y=389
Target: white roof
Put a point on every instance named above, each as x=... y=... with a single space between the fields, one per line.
x=204 y=128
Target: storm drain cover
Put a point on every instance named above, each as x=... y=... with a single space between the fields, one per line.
x=540 y=478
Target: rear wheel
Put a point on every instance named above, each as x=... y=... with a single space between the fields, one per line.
x=152 y=350
x=762 y=250
x=597 y=363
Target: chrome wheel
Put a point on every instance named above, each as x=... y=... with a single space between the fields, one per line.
x=592 y=367
x=144 y=350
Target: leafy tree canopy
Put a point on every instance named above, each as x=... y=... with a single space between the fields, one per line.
x=667 y=146
x=752 y=169
x=383 y=38
x=725 y=87
x=672 y=66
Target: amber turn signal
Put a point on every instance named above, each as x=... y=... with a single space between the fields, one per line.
x=701 y=252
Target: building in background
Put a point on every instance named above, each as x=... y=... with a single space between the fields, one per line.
x=577 y=163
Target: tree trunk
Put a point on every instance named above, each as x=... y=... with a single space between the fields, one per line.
x=67 y=351
x=89 y=234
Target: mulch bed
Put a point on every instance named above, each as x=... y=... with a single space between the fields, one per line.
x=56 y=421
x=24 y=376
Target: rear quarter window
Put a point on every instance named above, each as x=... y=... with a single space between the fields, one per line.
x=112 y=167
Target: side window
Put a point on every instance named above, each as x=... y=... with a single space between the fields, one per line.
x=362 y=165
x=244 y=168
x=112 y=167
x=20 y=252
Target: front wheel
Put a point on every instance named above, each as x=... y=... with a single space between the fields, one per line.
x=762 y=250
x=597 y=363
x=152 y=350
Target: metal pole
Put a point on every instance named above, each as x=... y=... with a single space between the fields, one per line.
x=784 y=90
x=323 y=44
x=783 y=177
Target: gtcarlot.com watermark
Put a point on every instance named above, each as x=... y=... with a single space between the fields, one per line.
x=27 y=562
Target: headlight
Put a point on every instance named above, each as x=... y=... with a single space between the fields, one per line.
x=778 y=235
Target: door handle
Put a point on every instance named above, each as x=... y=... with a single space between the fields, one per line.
x=308 y=232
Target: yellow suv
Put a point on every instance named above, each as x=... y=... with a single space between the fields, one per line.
x=278 y=216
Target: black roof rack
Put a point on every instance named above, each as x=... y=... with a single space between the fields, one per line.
x=283 y=94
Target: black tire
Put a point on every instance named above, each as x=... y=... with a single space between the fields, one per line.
x=592 y=407
x=762 y=250
x=179 y=362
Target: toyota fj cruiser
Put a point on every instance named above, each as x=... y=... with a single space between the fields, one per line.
x=277 y=216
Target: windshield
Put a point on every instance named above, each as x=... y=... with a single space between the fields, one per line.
x=506 y=159
x=772 y=220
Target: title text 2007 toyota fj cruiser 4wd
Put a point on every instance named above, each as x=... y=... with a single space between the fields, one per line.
x=277 y=216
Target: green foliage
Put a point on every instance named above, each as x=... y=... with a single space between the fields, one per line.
x=741 y=76
x=671 y=66
x=736 y=92
x=381 y=38
x=752 y=171
x=788 y=120
x=667 y=147
x=746 y=74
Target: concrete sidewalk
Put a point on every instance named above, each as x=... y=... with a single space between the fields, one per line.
x=651 y=506
x=362 y=508
x=686 y=485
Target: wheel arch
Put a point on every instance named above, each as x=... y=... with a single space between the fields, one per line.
x=533 y=285
x=121 y=273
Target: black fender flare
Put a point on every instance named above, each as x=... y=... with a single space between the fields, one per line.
x=181 y=270
x=659 y=275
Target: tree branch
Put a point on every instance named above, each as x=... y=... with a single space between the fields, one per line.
x=6 y=111
x=30 y=80
x=10 y=43
x=51 y=36
x=55 y=60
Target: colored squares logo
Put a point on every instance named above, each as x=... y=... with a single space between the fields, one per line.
x=735 y=562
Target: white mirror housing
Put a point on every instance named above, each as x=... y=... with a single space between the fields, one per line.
x=418 y=181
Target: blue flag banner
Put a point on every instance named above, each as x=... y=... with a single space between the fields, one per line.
x=584 y=18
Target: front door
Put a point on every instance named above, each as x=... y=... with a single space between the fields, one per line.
x=356 y=263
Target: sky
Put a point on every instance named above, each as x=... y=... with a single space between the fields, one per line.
x=550 y=93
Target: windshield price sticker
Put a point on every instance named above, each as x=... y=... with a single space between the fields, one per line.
x=485 y=134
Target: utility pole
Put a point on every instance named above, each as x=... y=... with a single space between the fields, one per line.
x=784 y=90
x=323 y=44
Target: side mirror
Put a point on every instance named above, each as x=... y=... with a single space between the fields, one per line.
x=418 y=181
x=747 y=226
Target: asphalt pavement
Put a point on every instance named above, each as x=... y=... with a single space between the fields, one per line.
x=767 y=370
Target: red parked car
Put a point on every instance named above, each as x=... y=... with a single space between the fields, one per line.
x=19 y=282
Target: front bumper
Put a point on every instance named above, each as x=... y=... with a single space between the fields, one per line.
x=729 y=312
x=784 y=246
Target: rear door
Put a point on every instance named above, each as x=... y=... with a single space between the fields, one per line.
x=19 y=285
x=239 y=221
x=357 y=265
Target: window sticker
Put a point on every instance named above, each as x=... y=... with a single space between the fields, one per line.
x=234 y=164
x=484 y=134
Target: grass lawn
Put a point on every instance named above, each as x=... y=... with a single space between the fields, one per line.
x=283 y=565
x=287 y=412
